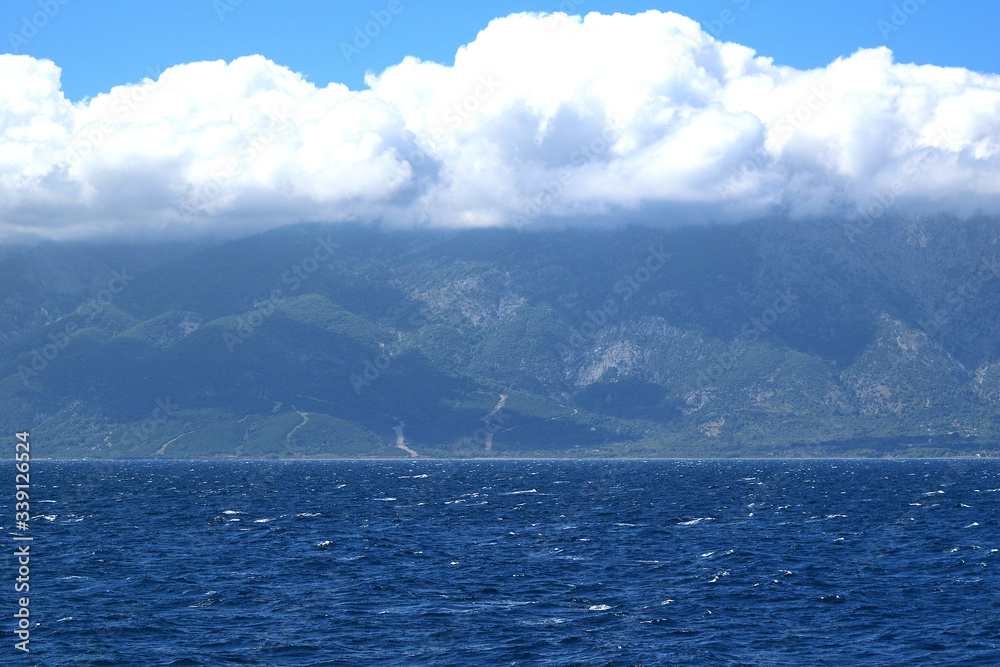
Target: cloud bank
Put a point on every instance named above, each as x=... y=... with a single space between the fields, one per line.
x=543 y=119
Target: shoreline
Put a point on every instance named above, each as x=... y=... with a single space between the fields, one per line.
x=410 y=460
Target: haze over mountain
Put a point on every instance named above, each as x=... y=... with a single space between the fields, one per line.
x=762 y=338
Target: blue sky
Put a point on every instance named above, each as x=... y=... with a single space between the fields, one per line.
x=102 y=43
x=238 y=115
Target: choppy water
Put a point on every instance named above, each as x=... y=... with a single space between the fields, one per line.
x=514 y=562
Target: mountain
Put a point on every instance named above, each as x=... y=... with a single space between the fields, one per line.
x=772 y=338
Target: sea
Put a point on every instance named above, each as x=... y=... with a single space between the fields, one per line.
x=509 y=562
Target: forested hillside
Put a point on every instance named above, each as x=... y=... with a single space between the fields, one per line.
x=819 y=337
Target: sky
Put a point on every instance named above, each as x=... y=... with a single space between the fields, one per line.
x=125 y=118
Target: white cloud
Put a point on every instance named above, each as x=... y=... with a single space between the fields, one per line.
x=541 y=118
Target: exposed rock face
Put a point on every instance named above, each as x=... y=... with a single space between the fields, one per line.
x=771 y=330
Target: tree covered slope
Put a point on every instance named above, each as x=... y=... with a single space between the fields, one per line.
x=771 y=338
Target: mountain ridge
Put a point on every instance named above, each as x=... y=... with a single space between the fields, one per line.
x=773 y=338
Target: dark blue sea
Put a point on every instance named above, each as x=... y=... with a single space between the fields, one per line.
x=511 y=563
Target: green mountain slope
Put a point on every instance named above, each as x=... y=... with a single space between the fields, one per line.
x=772 y=338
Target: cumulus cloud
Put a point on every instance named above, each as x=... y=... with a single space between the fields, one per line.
x=542 y=119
